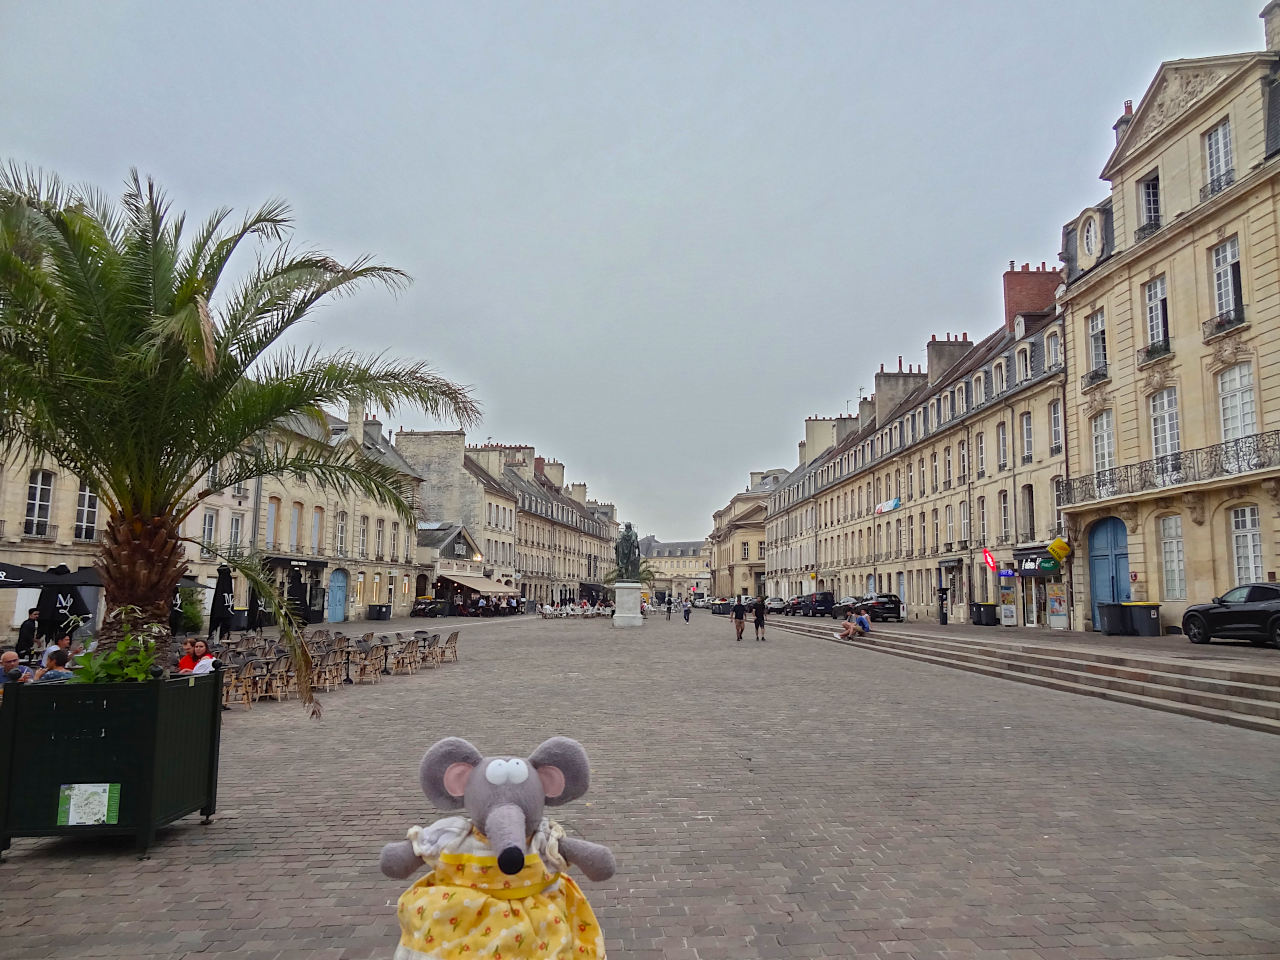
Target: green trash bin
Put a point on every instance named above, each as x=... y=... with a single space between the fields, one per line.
x=1144 y=617
x=1114 y=620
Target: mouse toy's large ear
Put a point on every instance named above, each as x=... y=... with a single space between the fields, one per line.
x=445 y=770
x=562 y=767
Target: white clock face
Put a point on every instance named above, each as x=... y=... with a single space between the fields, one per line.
x=1091 y=236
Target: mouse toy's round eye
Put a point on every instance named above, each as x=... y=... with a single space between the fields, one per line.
x=498 y=772
x=517 y=771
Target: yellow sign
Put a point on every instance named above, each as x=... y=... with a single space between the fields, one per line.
x=1059 y=549
x=813 y=576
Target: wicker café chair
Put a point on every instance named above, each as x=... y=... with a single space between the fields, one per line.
x=449 y=652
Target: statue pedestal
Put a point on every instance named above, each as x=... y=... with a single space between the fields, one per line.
x=627 y=604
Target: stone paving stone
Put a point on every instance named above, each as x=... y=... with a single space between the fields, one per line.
x=794 y=798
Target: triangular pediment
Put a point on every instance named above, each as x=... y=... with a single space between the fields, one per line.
x=1177 y=87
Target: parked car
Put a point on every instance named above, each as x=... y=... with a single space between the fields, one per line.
x=883 y=606
x=775 y=605
x=793 y=606
x=1250 y=612
x=818 y=604
x=845 y=605
x=424 y=607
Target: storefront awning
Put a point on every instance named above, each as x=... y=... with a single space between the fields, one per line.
x=476 y=583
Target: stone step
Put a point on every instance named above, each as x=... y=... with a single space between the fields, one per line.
x=1199 y=670
x=1236 y=711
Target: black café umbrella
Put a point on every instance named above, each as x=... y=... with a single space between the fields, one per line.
x=62 y=608
x=14 y=576
x=297 y=594
x=221 y=612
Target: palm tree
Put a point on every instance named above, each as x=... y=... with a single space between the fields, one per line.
x=124 y=360
x=646 y=574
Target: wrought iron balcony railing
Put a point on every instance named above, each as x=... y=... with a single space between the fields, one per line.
x=946 y=484
x=87 y=534
x=1157 y=350
x=1227 y=320
x=1026 y=458
x=1218 y=184
x=1094 y=377
x=1254 y=452
x=1027 y=535
x=1146 y=230
x=947 y=547
x=1002 y=539
x=39 y=530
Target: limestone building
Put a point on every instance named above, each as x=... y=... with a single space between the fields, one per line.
x=737 y=543
x=946 y=477
x=681 y=566
x=1172 y=306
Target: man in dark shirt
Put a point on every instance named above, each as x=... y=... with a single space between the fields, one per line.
x=27 y=634
x=739 y=616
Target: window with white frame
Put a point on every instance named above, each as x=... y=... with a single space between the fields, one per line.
x=317 y=531
x=982 y=518
x=1172 y=561
x=1156 y=296
x=1002 y=445
x=1097 y=340
x=295 y=522
x=933 y=470
x=1164 y=422
x=962 y=459
x=936 y=541
x=340 y=533
x=86 y=514
x=946 y=464
x=235 y=532
x=1236 y=404
x=39 y=502
x=1149 y=201
x=1246 y=543
x=273 y=521
x=208 y=533
x=364 y=537
x=961 y=400
x=1052 y=350
x=379 y=531
x=1102 y=428
x=395 y=541
x=997 y=376
x=979 y=391
x=212 y=479
x=1027 y=438
x=1004 y=513
x=951 y=525
x=1024 y=364
x=980 y=444
x=746 y=550
x=1055 y=426
x=1217 y=153
x=1227 y=292
x=964 y=519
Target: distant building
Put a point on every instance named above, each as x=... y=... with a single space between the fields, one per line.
x=737 y=540
x=682 y=566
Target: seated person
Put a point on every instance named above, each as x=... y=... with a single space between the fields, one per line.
x=62 y=643
x=863 y=621
x=57 y=668
x=187 y=662
x=201 y=659
x=12 y=671
x=856 y=624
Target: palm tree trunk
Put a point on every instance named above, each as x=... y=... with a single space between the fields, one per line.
x=140 y=564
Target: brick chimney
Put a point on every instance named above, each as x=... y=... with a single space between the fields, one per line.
x=1126 y=118
x=1026 y=290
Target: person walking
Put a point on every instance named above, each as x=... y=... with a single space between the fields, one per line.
x=27 y=634
x=758 y=619
x=669 y=605
x=688 y=607
x=739 y=616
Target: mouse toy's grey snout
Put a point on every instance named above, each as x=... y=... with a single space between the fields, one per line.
x=505 y=828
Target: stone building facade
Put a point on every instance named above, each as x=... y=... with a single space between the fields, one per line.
x=1171 y=306
x=681 y=566
x=737 y=543
x=946 y=477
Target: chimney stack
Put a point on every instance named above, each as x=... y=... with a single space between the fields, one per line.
x=1026 y=290
x=1126 y=118
x=1271 y=23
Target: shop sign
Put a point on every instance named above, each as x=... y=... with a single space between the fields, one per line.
x=989 y=560
x=1059 y=549
x=888 y=505
x=1008 y=573
x=1050 y=565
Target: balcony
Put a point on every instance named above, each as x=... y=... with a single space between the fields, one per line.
x=962 y=544
x=1224 y=322
x=1027 y=535
x=1055 y=450
x=1146 y=230
x=1218 y=184
x=933 y=551
x=1094 y=377
x=1157 y=350
x=961 y=479
x=1221 y=460
x=1026 y=458
x=340 y=551
x=1002 y=540
x=981 y=474
x=39 y=530
x=1056 y=530
x=948 y=547
x=85 y=534
x=946 y=484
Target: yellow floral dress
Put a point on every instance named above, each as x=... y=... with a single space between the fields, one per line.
x=466 y=907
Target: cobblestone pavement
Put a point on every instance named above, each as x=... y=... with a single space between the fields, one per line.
x=786 y=799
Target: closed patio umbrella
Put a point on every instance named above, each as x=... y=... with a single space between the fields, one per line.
x=223 y=601
x=62 y=610
x=297 y=595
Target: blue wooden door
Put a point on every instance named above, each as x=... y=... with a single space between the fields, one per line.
x=1108 y=564
x=337 y=596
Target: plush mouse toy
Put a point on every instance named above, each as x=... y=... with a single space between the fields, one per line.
x=497 y=886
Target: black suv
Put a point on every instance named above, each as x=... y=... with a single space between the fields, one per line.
x=882 y=606
x=818 y=604
x=1247 y=612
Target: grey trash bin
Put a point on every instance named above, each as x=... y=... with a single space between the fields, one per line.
x=1114 y=620
x=1144 y=618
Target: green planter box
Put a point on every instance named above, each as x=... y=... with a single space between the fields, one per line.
x=112 y=758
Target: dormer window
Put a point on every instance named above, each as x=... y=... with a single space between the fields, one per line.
x=1090 y=239
x=1024 y=364
x=1052 y=350
x=979 y=391
x=1148 y=207
x=997 y=375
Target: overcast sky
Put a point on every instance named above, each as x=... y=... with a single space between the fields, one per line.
x=653 y=236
